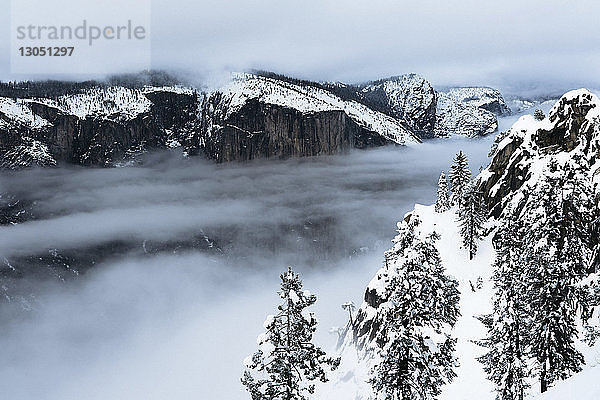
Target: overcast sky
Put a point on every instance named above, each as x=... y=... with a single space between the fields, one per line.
x=450 y=42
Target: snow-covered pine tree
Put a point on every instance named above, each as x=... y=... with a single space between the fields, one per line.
x=539 y=115
x=287 y=362
x=443 y=203
x=557 y=259
x=472 y=214
x=415 y=344
x=460 y=176
x=506 y=359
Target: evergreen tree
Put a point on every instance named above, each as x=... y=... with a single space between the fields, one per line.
x=557 y=259
x=539 y=115
x=471 y=217
x=415 y=345
x=287 y=362
x=443 y=203
x=460 y=176
x=506 y=359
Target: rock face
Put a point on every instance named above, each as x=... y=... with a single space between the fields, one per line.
x=252 y=117
x=409 y=98
x=261 y=130
x=469 y=111
x=256 y=116
x=564 y=144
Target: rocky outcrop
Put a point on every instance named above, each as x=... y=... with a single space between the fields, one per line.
x=260 y=130
x=569 y=136
x=469 y=111
x=409 y=98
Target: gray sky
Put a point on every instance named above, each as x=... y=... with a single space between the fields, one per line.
x=450 y=42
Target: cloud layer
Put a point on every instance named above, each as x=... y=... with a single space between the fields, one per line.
x=179 y=325
x=451 y=42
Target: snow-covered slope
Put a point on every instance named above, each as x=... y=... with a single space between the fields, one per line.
x=103 y=102
x=350 y=382
x=307 y=99
x=569 y=140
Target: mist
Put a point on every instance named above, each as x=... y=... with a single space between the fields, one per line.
x=178 y=323
x=507 y=43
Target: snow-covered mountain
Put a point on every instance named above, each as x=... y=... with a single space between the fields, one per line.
x=469 y=111
x=251 y=116
x=563 y=146
x=95 y=126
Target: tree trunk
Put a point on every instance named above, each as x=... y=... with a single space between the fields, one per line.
x=543 y=382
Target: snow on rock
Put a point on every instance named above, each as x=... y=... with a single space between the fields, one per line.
x=469 y=111
x=18 y=112
x=569 y=135
x=104 y=102
x=409 y=97
x=30 y=152
x=308 y=99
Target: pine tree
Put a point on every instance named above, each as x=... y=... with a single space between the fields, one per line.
x=415 y=345
x=287 y=362
x=539 y=115
x=506 y=359
x=471 y=217
x=557 y=259
x=460 y=176
x=442 y=204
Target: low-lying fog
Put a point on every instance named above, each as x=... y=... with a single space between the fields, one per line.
x=177 y=325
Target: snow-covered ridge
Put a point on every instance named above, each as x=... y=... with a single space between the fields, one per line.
x=171 y=89
x=19 y=112
x=121 y=102
x=481 y=97
x=309 y=99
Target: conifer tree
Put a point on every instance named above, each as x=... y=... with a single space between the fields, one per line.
x=443 y=203
x=460 y=176
x=471 y=217
x=557 y=259
x=287 y=362
x=539 y=115
x=415 y=344
x=506 y=359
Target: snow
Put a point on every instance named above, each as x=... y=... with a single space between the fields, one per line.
x=120 y=102
x=533 y=161
x=476 y=97
x=18 y=111
x=172 y=89
x=350 y=381
x=471 y=382
x=309 y=99
x=455 y=117
x=582 y=386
